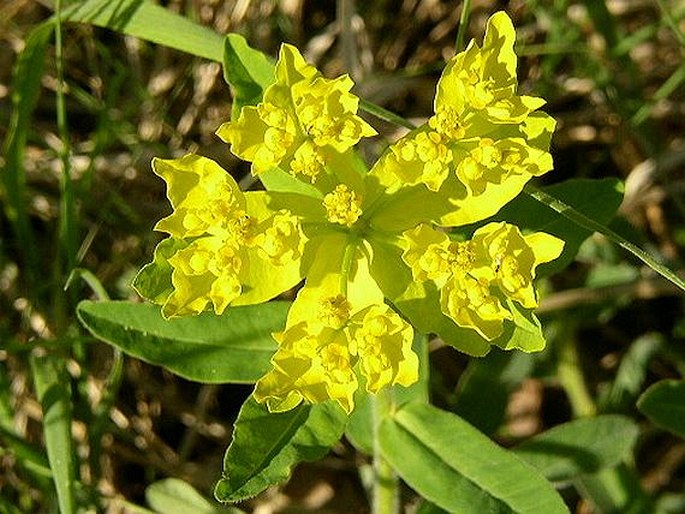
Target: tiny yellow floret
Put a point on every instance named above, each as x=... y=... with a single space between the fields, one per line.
x=343 y=206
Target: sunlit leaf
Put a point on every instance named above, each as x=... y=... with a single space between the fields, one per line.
x=235 y=347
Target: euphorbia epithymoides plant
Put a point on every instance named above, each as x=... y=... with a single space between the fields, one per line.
x=373 y=246
x=384 y=253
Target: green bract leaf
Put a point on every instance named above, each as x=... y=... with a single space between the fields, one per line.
x=277 y=180
x=456 y=467
x=153 y=281
x=266 y=445
x=664 y=404
x=580 y=447
x=235 y=347
x=248 y=71
x=598 y=199
x=526 y=332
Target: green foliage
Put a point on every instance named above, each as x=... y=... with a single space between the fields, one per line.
x=267 y=445
x=494 y=377
x=53 y=392
x=438 y=454
x=664 y=404
x=248 y=71
x=580 y=447
x=179 y=497
x=235 y=347
x=151 y=22
x=459 y=469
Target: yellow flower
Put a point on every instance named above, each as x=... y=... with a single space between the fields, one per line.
x=513 y=258
x=338 y=327
x=483 y=142
x=316 y=361
x=343 y=206
x=301 y=116
x=364 y=241
x=382 y=341
x=481 y=82
x=476 y=276
x=227 y=250
x=311 y=365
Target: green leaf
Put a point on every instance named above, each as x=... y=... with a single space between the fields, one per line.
x=174 y=495
x=664 y=404
x=524 y=334
x=484 y=388
x=248 y=71
x=597 y=199
x=451 y=464
x=631 y=373
x=430 y=508
x=236 y=347
x=153 y=281
x=151 y=22
x=52 y=389
x=266 y=446
x=277 y=180
x=580 y=447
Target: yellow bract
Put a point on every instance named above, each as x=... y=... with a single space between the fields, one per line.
x=315 y=360
x=211 y=218
x=475 y=277
x=478 y=150
x=301 y=115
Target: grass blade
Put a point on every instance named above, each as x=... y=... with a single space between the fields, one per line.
x=55 y=398
x=26 y=88
x=590 y=224
x=150 y=22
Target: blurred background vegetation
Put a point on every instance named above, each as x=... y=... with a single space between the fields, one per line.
x=612 y=73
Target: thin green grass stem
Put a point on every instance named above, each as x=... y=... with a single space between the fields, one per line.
x=463 y=25
x=384 y=114
x=67 y=241
x=581 y=219
x=67 y=214
x=347 y=49
x=666 y=11
x=385 y=491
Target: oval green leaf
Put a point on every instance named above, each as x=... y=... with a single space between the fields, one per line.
x=451 y=464
x=580 y=447
x=236 y=347
x=266 y=446
x=179 y=497
x=664 y=404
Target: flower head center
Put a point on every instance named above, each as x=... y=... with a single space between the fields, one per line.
x=343 y=206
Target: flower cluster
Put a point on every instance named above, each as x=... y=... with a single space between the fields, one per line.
x=376 y=248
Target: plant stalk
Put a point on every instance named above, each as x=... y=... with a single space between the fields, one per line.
x=572 y=380
x=385 y=492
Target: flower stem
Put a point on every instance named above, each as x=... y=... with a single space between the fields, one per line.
x=572 y=380
x=385 y=482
